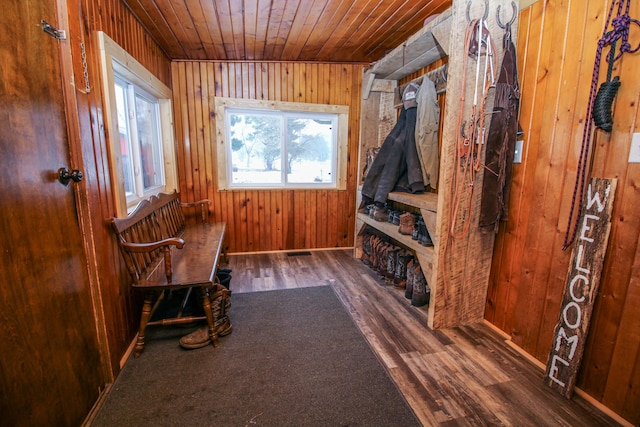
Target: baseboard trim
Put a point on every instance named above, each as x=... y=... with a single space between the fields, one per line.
x=527 y=356
x=284 y=251
x=602 y=408
x=127 y=353
x=588 y=398
x=497 y=330
x=96 y=406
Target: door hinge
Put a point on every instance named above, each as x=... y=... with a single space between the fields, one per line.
x=53 y=32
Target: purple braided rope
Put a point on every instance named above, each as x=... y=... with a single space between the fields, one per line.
x=581 y=173
x=621 y=24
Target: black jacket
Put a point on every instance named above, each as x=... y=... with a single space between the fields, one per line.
x=397 y=166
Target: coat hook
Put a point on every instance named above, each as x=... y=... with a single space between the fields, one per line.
x=486 y=10
x=513 y=17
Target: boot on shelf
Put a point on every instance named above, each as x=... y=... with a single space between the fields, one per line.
x=366 y=249
x=400 y=275
x=380 y=212
x=408 y=290
x=392 y=259
x=421 y=290
x=423 y=237
x=382 y=259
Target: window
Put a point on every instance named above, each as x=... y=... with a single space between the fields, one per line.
x=139 y=118
x=280 y=145
x=140 y=143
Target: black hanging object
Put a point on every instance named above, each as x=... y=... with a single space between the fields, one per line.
x=599 y=110
x=602 y=106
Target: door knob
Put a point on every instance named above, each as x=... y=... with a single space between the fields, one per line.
x=64 y=176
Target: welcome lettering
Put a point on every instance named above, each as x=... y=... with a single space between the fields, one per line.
x=581 y=286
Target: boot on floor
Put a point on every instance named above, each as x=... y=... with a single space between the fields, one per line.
x=220 y=304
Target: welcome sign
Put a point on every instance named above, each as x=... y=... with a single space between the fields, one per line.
x=581 y=286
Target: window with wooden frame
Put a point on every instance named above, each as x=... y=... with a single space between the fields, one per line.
x=139 y=116
x=273 y=144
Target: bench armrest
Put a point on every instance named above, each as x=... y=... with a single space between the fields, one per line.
x=148 y=247
x=165 y=244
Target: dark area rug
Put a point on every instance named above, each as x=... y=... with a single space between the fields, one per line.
x=295 y=358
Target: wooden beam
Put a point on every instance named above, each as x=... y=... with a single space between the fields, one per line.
x=419 y=50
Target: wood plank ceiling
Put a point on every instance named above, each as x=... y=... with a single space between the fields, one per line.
x=282 y=30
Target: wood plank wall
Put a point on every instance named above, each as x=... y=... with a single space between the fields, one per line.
x=557 y=42
x=117 y=308
x=114 y=18
x=529 y=268
x=265 y=220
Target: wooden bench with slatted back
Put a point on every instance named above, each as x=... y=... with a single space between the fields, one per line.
x=164 y=254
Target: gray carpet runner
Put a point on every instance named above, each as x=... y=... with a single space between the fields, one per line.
x=295 y=358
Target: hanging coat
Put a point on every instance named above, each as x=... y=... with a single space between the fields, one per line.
x=396 y=167
x=427 y=127
x=392 y=146
x=501 y=142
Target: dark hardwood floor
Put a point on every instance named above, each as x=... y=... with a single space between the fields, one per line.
x=465 y=376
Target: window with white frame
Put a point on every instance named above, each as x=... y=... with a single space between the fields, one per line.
x=138 y=114
x=140 y=142
x=268 y=144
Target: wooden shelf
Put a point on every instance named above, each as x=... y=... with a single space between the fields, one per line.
x=424 y=254
x=457 y=270
x=391 y=230
x=428 y=201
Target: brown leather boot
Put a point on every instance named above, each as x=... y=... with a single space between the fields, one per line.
x=421 y=291
x=408 y=289
x=220 y=304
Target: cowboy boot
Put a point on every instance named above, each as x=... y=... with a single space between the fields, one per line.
x=378 y=254
x=392 y=259
x=400 y=275
x=366 y=249
x=220 y=303
x=408 y=290
x=382 y=264
x=421 y=291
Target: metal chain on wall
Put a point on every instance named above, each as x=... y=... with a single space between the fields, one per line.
x=85 y=70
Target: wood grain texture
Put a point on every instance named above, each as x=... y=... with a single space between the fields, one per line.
x=300 y=30
x=459 y=376
x=610 y=370
x=116 y=310
x=52 y=355
x=557 y=42
x=265 y=220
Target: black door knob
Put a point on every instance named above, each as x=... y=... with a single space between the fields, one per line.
x=64 y=176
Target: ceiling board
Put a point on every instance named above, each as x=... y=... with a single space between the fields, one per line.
x=282 y=30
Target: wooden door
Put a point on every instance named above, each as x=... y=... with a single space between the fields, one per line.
x=50 y=367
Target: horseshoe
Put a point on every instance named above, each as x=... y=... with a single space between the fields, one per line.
x=486 y=10
x=513 y=17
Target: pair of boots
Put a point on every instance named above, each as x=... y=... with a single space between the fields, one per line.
x=220 y=298
x=417 y=289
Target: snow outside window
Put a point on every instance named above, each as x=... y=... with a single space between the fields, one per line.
x=280 y=145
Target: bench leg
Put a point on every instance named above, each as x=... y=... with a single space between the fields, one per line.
x=206 y=305
x=144 y=319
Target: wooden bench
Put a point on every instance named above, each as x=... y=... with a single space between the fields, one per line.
x=164 y=254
